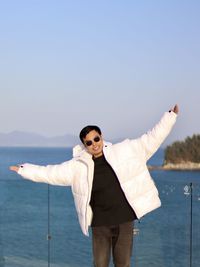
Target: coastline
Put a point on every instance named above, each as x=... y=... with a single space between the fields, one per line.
x=186 y=166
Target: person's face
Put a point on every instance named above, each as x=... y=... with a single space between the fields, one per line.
x=94 y=143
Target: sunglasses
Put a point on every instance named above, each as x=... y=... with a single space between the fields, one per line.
x=90 y=142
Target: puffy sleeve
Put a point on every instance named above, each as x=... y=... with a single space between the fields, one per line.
x=151 y=141
x=59 y=174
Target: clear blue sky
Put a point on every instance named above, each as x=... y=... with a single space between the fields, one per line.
x=117 y=64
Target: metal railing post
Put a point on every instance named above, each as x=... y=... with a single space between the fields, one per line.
x=48 y=226
x=191 y=222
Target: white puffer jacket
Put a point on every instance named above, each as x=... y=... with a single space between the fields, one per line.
x=128 y=160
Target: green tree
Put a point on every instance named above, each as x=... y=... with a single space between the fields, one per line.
x=183 y=151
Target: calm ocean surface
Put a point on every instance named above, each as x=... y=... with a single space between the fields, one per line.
x=29 y=211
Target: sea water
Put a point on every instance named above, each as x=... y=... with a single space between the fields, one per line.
x=39 y=225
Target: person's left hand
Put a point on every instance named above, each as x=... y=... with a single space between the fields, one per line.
x=14 y=168
x=175 y=109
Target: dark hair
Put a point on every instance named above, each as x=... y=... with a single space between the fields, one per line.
x=88 y=129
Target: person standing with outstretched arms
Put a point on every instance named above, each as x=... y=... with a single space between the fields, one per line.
x=111 y=186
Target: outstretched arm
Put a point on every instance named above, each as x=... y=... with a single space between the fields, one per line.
x=152 y=140
x=59 y=174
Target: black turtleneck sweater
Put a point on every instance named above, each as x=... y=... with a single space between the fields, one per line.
x=108 y=202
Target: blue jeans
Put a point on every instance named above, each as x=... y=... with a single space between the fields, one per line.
x=117 y=239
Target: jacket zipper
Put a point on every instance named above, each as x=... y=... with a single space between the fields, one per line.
x=89 y=190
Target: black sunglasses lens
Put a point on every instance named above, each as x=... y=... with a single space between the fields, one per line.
x=88 y=143
x=97 y=139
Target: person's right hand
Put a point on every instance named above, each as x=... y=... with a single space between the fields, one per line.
x=14 y=168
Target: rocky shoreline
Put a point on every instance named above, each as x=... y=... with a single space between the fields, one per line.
x=185 y=166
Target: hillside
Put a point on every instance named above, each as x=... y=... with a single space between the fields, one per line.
x=183 y=151
x=183 y=155
x=18 y=138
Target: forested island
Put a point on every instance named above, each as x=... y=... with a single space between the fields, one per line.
x=182 y=155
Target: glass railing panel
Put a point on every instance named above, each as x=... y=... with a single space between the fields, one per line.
x=69 y=247
x=23 y=211
x=23 y=225
x=164 y=238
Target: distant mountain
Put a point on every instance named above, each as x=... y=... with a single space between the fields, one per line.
x=18 y=138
